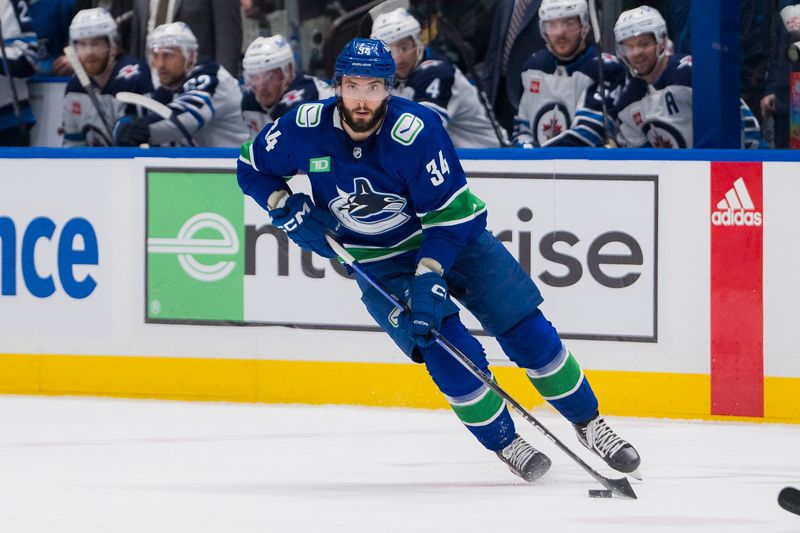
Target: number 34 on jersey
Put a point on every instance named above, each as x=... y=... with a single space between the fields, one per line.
x=438 y=171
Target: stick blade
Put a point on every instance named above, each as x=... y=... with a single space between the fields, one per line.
x=789 y=499
x=621 y=487
x=146 y=102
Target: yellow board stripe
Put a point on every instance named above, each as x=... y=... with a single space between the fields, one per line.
x=371 y=384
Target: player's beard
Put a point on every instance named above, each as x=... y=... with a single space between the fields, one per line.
x=647 y=71
x=360 y=125
x=99 y=70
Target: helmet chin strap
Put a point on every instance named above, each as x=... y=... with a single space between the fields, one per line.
x=287 y=79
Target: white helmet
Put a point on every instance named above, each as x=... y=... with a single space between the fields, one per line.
x=395 y=25
x=561 y=9
x=173 y=35
x=640 y=21
x=268 y=53
x=95 y=22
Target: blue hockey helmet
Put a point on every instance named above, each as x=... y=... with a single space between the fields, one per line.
x=368 y=58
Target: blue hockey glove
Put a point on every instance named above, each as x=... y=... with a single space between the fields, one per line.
x=428 y=297
x=130 y=131
x=306 y=224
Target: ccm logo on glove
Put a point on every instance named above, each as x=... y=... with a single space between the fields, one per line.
x=297 y=219
x=440 y=291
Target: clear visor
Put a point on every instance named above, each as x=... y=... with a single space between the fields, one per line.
x=163 y=50
x=90 y=46
x=368 y=89
x=258 y=79
x=558 y=26
x=635 y=45
x=403 y=46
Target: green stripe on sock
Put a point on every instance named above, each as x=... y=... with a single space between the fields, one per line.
x=560 y=382
x=480 y=412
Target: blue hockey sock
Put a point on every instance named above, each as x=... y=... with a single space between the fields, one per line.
x=534 y=345
x=563 y=384
x=486 y=416
x=479 y=408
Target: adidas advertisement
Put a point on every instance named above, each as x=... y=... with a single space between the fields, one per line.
x=588 y=241
x=736 y=208
x=737 y=289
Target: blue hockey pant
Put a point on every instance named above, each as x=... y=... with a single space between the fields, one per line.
x=488 y=281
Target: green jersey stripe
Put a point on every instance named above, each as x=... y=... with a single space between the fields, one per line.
x=367 y=254
x=246 y=153
x=462 y=207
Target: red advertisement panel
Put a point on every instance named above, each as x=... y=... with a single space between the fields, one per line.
x=737 y=311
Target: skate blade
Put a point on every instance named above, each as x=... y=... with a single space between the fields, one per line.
x=636 y=475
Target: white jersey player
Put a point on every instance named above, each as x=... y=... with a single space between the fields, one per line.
x=435 y=82
x=93 y=34
x=20 y=49
x=655 y=107
x=273 y=85
x=204 y=97
x=560 y=104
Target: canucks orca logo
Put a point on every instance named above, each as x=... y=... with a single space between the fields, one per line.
x=368 y=211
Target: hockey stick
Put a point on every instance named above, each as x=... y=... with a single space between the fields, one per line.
x=156 y=107
x=620 y=487
x=600 y=74
x=23 y=128
x=455 y=37
x=789 y=499
x=86 y=83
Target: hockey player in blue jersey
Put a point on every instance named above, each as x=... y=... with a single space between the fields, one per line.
x=560 y=103
x=204 y=98
x=654 y=108
x=273 y=85
x=93 y=33
x=387 y=182
x=432 y=80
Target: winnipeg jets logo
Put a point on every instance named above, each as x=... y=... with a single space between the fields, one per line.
x=663 y=135
x=550 y=121
x=368 y=211
x=292 y=96
x=127 y=72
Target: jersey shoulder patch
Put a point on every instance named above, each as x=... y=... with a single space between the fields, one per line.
x=406 y=128
x=308 y=115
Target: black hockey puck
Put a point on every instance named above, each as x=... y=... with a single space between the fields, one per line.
x=599 y=493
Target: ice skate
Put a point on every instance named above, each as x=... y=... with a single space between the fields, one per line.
x=597 y=436
x=524 y=460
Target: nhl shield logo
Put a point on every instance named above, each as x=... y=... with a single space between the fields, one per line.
x=357 y=152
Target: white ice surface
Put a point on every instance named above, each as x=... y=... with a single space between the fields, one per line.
x=118 y=466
